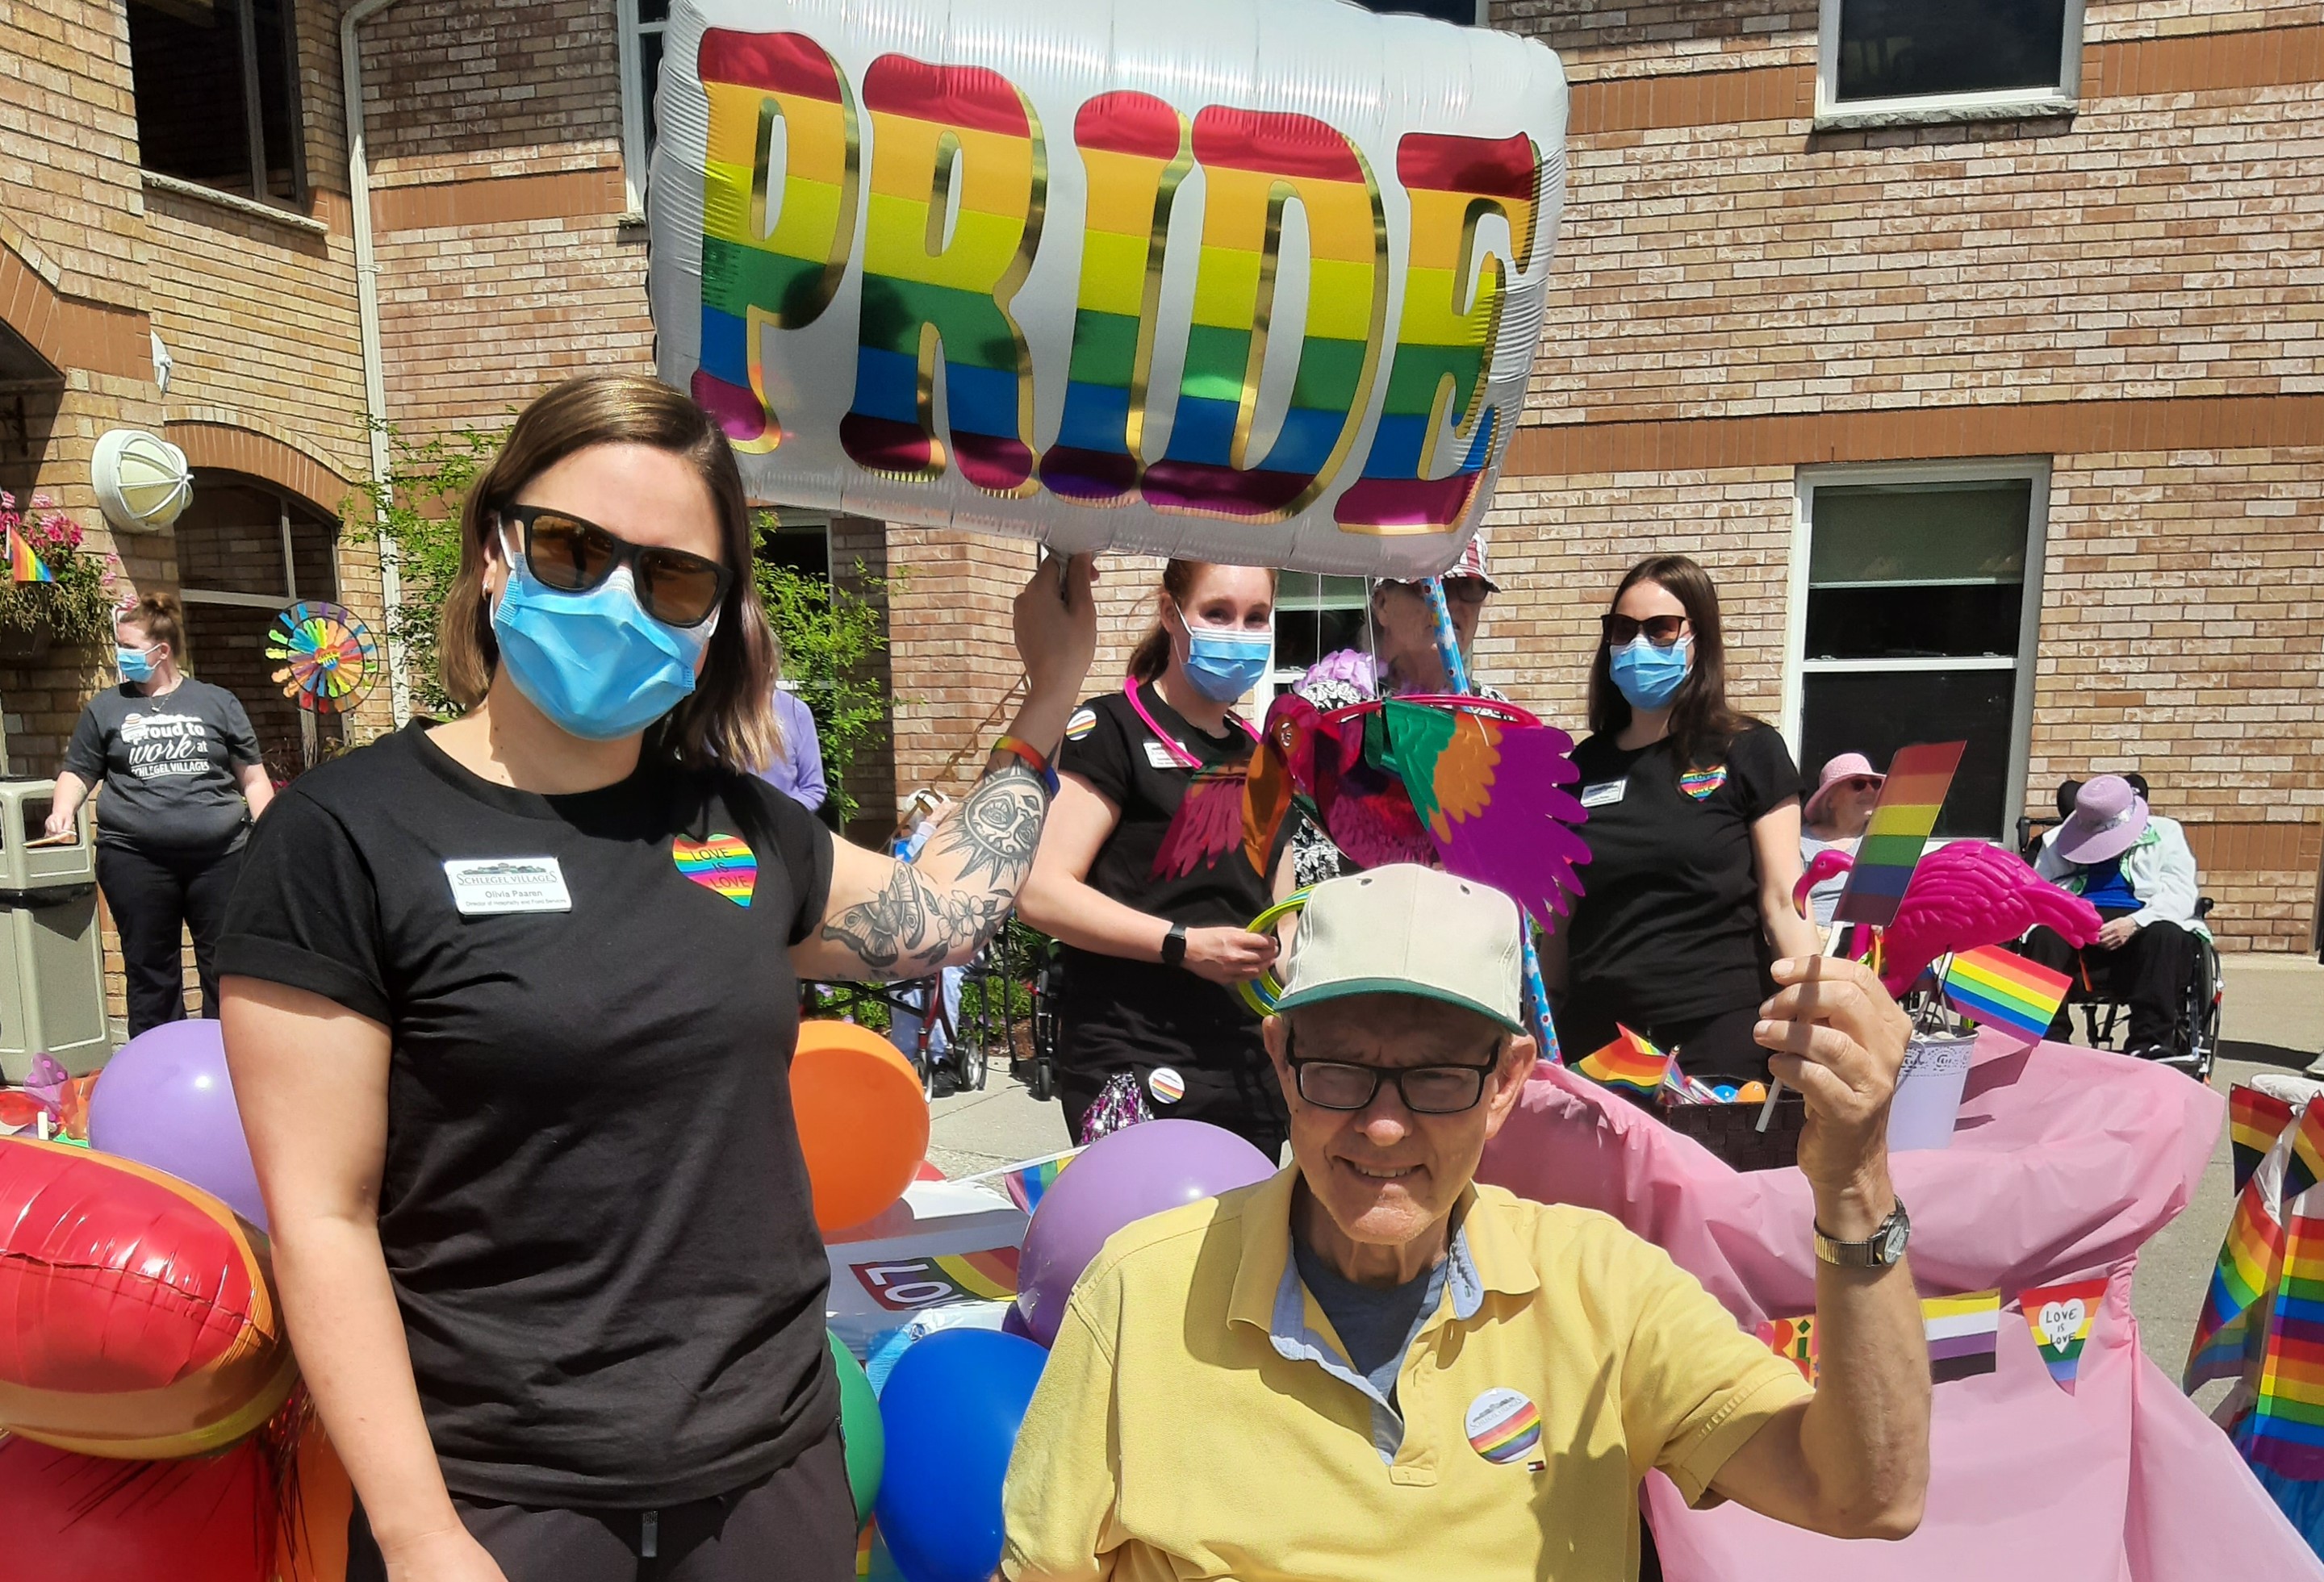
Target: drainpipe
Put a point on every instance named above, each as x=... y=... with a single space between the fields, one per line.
x=391 y=581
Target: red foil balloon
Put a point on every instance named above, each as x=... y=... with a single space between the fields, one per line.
x=138 y=1318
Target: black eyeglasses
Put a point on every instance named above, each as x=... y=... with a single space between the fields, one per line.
x=1336 y=1084
x=1661 y=631
x=570 y=556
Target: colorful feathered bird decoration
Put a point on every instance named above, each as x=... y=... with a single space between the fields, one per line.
x=1475 y=785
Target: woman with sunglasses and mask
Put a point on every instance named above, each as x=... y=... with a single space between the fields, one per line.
x=1835 y=818
x=1147 y=898
x=510 y=1003
x=1694 y=836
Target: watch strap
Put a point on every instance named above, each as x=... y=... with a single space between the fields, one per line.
x=1174 y=946
x=1881 y=1250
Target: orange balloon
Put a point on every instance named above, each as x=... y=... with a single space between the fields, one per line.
x=310 y=1542
x=862 y=1120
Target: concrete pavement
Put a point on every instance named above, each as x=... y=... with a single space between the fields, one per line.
x=2273 y=1017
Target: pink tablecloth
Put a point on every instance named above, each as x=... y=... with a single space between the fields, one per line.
x=2063 y=1163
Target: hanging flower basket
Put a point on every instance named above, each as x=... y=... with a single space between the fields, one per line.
x=74 y=604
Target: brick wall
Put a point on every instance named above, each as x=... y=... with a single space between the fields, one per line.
x=2131 y=291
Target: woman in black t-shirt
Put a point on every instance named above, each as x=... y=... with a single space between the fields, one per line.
x=510 y=1003
x=1149 y=905
x=1693 y=835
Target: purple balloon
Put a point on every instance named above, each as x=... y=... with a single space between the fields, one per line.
x=1125 y=1175
x=165 y=1100
x=1012 y=1322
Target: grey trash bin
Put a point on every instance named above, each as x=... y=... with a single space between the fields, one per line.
x=51 y=961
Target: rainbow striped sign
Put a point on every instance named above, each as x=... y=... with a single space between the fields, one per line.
x=1997 y=988
x=1902 y=821
x=2061 y=1316
x=942 y=275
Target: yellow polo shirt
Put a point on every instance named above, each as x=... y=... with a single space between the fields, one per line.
x=1198 y=1418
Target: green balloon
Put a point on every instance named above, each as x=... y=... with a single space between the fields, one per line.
x=859 y=1427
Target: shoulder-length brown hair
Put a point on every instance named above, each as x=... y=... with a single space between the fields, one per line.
x=728 y=718
x=1700 y=723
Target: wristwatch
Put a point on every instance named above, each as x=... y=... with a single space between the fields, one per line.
x=1886 y=1247
x=1174 y=946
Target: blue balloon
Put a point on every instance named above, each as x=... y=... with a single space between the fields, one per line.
x=952 y=1408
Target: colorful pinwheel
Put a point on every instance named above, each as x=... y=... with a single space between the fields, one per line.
x=332 y=662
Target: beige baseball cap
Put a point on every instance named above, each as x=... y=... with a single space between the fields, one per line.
x=1405 y=929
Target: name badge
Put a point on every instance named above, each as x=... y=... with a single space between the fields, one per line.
x=493 y=887
x=1159 y=756
x=1604 y=792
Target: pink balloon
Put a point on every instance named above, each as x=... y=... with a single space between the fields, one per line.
x=165 y=1100
x=1126 y=1175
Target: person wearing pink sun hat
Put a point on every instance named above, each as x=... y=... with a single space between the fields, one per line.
x=1835 y=818
x=2135 y=866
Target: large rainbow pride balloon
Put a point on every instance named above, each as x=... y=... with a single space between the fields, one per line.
x=1245 y=279
x=137 y=1314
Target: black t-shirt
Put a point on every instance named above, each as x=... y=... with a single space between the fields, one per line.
x=167 y=764
x=593 y=1208
x=1122 y=1015
x=1669 y=928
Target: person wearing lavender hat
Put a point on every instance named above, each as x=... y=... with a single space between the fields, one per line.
x=2134 y=865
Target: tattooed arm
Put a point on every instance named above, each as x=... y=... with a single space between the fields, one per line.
x=888 y=920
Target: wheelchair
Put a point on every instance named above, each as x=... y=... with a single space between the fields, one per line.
x=2105 y=1019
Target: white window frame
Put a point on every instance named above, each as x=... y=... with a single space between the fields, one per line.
x=635 y=156
x=1920 y=109
x=1280 y=679
x=1798 y=667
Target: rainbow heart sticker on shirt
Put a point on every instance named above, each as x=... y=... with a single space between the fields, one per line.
x=1504 y=1425
x=723 y=863
x=1700 y=784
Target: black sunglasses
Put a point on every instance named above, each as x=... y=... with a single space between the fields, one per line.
x=567 y=554
x=1661 y=631
x=1336 y=1084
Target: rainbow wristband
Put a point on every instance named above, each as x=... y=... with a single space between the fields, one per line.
x=1033 y=758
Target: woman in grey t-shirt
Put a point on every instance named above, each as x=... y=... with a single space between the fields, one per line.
x=182 y=780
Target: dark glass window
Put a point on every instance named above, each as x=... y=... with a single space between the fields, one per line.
x=218 y=93
x=1916 y=594
x=1314 y=616
x=1463 y=12
x=653 y=19
x=1912 y=49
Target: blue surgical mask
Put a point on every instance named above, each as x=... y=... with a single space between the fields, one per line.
x=1224 y=663
x=135 y=664
x=595 y=663
x=1648 y=676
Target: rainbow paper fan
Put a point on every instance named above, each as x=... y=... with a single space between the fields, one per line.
x=332 y=662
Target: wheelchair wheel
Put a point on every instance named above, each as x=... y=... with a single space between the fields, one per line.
x=2206 y=995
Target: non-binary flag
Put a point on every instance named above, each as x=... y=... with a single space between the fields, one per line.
x=1964 y=1334
x=24 y=566
x=1902 y=821
x=1630 y=1060
x=2255 y=1121
x=1997 y=988
x=2061 y=1316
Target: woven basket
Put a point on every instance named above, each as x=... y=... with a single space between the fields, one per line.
x=1732 y=1131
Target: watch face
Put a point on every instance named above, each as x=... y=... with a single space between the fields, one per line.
x=1890 y=1247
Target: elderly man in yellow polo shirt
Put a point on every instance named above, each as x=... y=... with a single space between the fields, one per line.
x=1370 y=1367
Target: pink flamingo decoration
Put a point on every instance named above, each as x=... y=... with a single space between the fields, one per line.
x=1962 y=896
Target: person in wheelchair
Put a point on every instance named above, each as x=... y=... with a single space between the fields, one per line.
x=2135 y=866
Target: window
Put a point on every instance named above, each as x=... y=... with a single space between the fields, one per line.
x=1314 y=616
x=1465 y=12
x=245 y=551
x=799 y=540
x=1884 y=60
x=1914 y=615
x=218 y=94
x=642 y=24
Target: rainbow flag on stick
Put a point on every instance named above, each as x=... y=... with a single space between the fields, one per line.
x=2285 y=1430
x=1997 y=988
x=1630 y=1060
x=1027 y=1182
x=1902 y=821
x=24 y=566
x=2255 y=1121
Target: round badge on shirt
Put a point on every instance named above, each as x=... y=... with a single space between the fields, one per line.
x=1165 y=1084
x=1083 y=722
x=1503 y=1425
